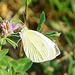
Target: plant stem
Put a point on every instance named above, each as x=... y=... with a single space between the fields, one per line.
x=54 y=11
x=21 y=45
x=20 y=48
x=26 y=15
x=0 y=47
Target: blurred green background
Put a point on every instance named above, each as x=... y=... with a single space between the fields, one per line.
x=60 y=16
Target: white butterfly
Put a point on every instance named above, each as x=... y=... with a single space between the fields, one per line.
x=38 y=47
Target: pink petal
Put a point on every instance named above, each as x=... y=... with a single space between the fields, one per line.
x=10 y=27
x=2 y=32
x=16 y=26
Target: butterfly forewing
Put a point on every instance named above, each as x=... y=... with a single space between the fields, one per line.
x=38 y=47
x=52 y=47
x=34 y=48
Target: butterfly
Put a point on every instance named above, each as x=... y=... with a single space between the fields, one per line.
x=38 y=47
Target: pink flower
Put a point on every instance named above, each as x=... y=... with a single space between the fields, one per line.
x=8 y=27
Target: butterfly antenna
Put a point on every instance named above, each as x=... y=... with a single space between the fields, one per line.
x=24 y=18
x=20 y=24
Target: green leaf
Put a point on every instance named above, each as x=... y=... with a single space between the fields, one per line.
x=3 y=72
x=12 y=43
x=52 y=38
x=24 y=60
x=22 y=73
x=3 y=53
x=11 y=71
x=3 y=41
x=13 y=63
x=42 y=20
x=14 y=37
x=0 y=19
x=24 y=64
x=52 y=33
x=5 y=61
x=21 y=65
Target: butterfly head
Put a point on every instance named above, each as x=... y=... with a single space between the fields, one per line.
x=24 y=29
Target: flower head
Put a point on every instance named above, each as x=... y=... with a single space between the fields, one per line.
x=8 y=27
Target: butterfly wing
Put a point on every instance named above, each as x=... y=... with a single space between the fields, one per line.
x=38 y=47
x=49 y=44
x=34 y=48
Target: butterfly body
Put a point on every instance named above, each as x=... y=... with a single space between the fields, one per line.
x=38 y=47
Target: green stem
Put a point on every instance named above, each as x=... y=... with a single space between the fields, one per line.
x=26 y=7
x=54 y=11
x=0 y=47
